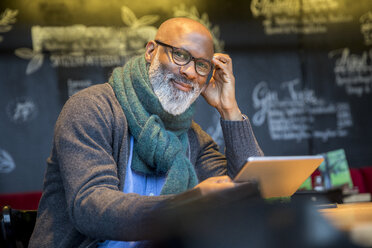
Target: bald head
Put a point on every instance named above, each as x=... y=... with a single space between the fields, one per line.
x=179 y=29
x=179 y=26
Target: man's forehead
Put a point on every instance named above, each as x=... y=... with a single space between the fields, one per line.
x=188 y=34
x=195 y=43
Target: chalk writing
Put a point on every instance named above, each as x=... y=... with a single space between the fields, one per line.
x=353 y=71
x=291 y=114
x=79 y=45
x=74 y=86
x=366 y=27
x=22 y=110
x=298 y=16
x=104 y=60
x=7 y=164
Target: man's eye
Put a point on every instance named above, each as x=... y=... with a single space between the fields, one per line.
x=181 y=55
x=202 y=65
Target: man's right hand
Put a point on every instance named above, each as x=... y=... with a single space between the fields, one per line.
x=213 y=184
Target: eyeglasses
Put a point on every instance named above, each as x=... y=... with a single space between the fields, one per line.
x=183 y=57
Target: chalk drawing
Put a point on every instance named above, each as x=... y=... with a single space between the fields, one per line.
x=7 y=18
x=7 y=164
x=21 y=110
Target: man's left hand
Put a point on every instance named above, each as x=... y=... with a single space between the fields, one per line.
x=220 y=92
x=214 y=184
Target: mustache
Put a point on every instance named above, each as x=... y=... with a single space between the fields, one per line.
x=170 y=75
x=179 y=78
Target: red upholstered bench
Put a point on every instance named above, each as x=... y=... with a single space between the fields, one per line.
x=26 y=200
x=315 y=173
x=361 y=177
x=358 y=180
x=367 y=177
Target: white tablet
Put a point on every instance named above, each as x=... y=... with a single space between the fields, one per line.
x=279 y=176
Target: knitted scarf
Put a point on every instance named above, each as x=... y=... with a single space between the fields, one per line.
x=160 y=139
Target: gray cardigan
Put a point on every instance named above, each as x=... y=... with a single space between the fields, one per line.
x=82 y=199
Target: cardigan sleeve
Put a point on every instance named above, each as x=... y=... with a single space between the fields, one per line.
x=240 y=143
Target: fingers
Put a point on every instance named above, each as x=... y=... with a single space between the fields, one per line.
x=222 y=61
x=223 y=68
x=218 y=76
x=213 y=184
x=220 y=179
x=221 y=186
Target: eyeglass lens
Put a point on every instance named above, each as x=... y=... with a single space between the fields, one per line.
x=183 y=57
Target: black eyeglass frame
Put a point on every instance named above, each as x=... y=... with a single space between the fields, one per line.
x=192 y=58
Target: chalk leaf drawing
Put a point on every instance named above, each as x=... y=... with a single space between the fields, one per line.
x=7 y=18
x=35 y=63
x=192 y=12
x=25 y=53
x=36 y=59
x=139 y=30
x=7 y=164
x=127 y=16
x=130 y=19
x=366 y=27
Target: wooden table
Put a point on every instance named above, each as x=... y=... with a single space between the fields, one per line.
x=354 y=218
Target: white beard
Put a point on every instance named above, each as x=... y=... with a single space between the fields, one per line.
x=173 y=100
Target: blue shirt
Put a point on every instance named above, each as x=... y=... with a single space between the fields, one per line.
x=139 y=184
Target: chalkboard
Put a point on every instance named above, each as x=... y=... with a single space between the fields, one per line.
x=303 y=70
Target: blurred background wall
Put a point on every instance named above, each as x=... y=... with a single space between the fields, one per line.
x=303 y=70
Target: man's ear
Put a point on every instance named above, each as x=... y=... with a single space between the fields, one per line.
x=150 y=51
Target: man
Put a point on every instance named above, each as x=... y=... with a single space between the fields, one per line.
x=123 y=147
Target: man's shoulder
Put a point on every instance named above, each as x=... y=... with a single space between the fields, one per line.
x=99 y=95
x=97 y=98
x=95 y=106
x=95 y=91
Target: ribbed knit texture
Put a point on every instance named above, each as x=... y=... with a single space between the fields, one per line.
x=242 y=131
x=160 y=138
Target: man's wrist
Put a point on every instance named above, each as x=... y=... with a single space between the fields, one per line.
x=232 y=115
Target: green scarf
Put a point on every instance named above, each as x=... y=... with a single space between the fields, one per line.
x=160 y=139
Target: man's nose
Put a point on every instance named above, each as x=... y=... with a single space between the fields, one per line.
x=188 y=71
